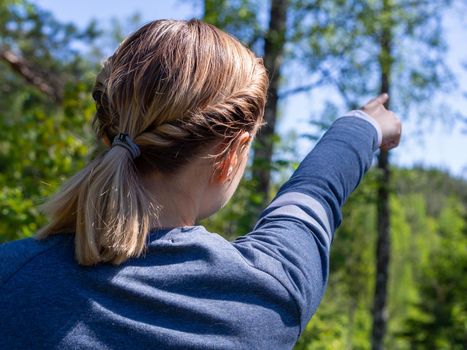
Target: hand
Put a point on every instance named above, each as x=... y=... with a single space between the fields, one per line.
x=390 y=124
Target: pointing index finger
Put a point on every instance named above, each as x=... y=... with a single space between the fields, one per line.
x=381 y=99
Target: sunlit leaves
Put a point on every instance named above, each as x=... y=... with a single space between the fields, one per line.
x=42 y=141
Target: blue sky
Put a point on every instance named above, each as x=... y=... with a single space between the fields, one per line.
x=442 y=145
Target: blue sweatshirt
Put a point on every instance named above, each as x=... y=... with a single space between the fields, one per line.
x=193 y=289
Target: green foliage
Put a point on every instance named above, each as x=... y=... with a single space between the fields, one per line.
x=40 y=147
x=44 y=141
x=438 y=320
x=345 y=46
x=426 y=296
x=239 y=17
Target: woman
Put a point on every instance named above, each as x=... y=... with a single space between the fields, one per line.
x=122 y=264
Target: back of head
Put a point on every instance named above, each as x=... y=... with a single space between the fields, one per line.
x=173 y=87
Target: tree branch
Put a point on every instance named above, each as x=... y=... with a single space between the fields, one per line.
x=303 y=88
x=21 y=67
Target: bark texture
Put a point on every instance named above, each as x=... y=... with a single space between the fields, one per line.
x=383 y=245
x=274 y=42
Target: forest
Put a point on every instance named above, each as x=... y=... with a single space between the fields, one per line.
x=398 y=261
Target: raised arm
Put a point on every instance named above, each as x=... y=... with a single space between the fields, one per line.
x=291 y=240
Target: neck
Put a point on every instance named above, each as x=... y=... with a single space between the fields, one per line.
x=176 y=200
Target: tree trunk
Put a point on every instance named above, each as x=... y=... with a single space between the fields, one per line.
x=263 y=148
x=382 y=254
x=383 y=245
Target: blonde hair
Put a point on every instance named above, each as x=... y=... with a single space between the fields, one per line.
x=173 y=86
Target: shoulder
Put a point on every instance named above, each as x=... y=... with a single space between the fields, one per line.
x=16 y=254
x=193 y=242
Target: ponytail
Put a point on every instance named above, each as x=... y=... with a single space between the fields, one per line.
x=105 y=204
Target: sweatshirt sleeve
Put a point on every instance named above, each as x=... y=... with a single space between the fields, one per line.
x=291 y=240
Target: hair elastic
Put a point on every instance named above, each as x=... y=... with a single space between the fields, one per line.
x=125 y=141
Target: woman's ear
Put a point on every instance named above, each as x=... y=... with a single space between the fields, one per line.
x=226 y=167
x=243 y=142
x=232 y=159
